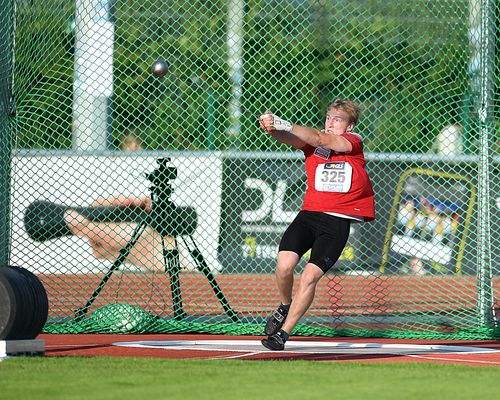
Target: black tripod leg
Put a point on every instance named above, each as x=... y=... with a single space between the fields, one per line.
x=173 y=267
x=205 y=269
x=81 y=312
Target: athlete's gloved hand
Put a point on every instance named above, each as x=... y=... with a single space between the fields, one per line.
x=270 y=122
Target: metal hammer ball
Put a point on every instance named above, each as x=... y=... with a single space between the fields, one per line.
x=159 y=68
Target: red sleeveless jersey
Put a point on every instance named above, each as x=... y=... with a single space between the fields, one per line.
x=338 y=182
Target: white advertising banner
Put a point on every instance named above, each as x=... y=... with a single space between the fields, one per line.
x=78 y=180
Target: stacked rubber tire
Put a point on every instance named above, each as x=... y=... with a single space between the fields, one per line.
x=23 y=304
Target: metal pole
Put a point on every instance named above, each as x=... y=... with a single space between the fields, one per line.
x=485 y=116
x=6 y=110
x=470 y=101
x=235 y=32
x=93 y=80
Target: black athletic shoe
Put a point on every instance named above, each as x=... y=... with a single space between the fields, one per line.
x=276 y=341
x=276 y=320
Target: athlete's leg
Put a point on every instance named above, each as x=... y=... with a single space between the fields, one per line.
x=326 y=249
x=304 y=296
x=301 y=302
x=287 y=261
x=296 y=240
x=325 y=252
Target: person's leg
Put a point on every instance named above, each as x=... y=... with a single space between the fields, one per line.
x=296 y=240
x=304 y=296
x=326 y=250
x=287 y=261
x=301 y=302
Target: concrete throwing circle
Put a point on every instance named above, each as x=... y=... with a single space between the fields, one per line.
x=306 y=347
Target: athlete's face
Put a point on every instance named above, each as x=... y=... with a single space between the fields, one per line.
x=337 y=122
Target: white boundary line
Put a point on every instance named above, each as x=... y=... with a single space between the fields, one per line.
x=306 y=347
x=461 y=360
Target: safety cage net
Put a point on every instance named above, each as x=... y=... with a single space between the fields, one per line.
x=146 y=198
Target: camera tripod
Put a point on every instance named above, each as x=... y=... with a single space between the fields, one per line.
x=169 y=221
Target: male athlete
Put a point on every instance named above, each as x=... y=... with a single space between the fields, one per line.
x=339 y=192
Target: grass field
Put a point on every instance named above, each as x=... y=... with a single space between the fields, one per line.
x=145 y=379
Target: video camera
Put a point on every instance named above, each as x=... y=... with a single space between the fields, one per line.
x=166 y=218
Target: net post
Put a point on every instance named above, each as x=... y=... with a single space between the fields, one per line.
x=6 y=111
x=485 y=114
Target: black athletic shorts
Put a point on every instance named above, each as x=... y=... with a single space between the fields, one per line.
x=326 y=236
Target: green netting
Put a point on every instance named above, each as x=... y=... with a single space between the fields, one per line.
x=93 y=127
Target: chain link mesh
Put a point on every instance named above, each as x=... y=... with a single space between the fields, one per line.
x=93 y=125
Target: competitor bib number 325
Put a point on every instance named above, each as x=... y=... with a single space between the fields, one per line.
x=333 y=177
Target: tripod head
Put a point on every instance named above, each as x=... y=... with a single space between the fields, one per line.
x=161 y=178
x=165 y=217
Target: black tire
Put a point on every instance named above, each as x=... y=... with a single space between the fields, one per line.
x=40 y=302
x=23 y=304
x=8 y=306
x=23 y=301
